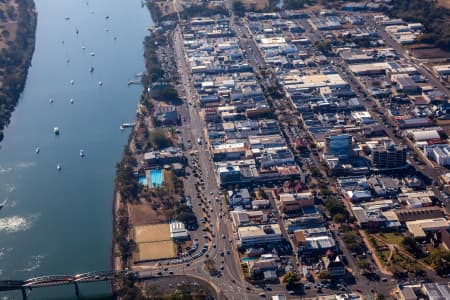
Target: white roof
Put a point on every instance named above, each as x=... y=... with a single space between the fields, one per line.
x=425 y=135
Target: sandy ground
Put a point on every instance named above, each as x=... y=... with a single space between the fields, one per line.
x=444 y=3
x=142 y=214
x=258 y=4
x=156 y=250
x=151 y=233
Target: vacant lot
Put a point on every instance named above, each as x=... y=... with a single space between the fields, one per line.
x=429 y=53
x=257 y=4
x=444 y=3
x=143 y=214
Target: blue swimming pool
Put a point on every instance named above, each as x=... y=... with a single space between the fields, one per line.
x=156 y=178
x=247 y=259
x=143 y=180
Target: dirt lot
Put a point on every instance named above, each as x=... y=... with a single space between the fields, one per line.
x=143 y=214
x=428 y=53
x=258 y=4
x=444 y=3
x=156 y=250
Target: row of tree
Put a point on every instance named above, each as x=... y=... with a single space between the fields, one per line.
x=16 y=59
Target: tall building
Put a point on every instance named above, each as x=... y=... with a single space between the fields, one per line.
x=388 y=156
x=339 y=145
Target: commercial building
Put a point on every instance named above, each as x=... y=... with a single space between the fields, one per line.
x=335 y=267
x=259 y=235
x=339 y=145
x=386 y=156
x=421 y=228
x=313 y=245
x=239 y=197
x=293 y=202
x=178 y=231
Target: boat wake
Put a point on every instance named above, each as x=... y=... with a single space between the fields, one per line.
x=33 y=264
x=9 y=188
x=4 y=170
x=4 y=252
x=25 y=164
x=16 y=223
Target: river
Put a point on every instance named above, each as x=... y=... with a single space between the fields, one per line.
x=59 y=222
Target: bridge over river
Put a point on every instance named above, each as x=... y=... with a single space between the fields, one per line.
x=57 y=280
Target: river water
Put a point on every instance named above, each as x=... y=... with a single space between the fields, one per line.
x=60 y=222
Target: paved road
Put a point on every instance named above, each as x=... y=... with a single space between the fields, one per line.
x=231 y=281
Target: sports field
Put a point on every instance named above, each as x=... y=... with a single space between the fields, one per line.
x=154 y=242
x=156 y=250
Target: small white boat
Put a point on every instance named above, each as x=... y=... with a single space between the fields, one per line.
x=81 y=153
x=91 y=69
x=37 y=150
x=100 y=83
x=58 y=167
x=83 y=48
x=67 y=18
x=92 y=54
x=121 y=128
x=56 y=130
x=50 y=100
x=71 y=100
x=72 y=82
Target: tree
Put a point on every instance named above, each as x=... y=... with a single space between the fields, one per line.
x=159 y=138
x=363 y=264
x=440 y=260
x=239 y=8
x=290 y=278
x=412 y=246
x=323 y=46
x=185 y=215
x=338 y=218
x=324 y=275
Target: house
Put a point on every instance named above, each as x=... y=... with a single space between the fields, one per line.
x=335 y=266
x=239 y=197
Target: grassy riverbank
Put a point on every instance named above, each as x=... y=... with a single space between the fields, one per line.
x=18 y=19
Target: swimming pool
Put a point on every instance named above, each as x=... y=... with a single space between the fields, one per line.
x=143 y=180
x=247 y=259
x=156 y=178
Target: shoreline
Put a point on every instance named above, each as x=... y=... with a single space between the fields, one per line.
x=118 y=263
x=14 y=81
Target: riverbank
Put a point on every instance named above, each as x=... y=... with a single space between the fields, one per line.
x=18 y=20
